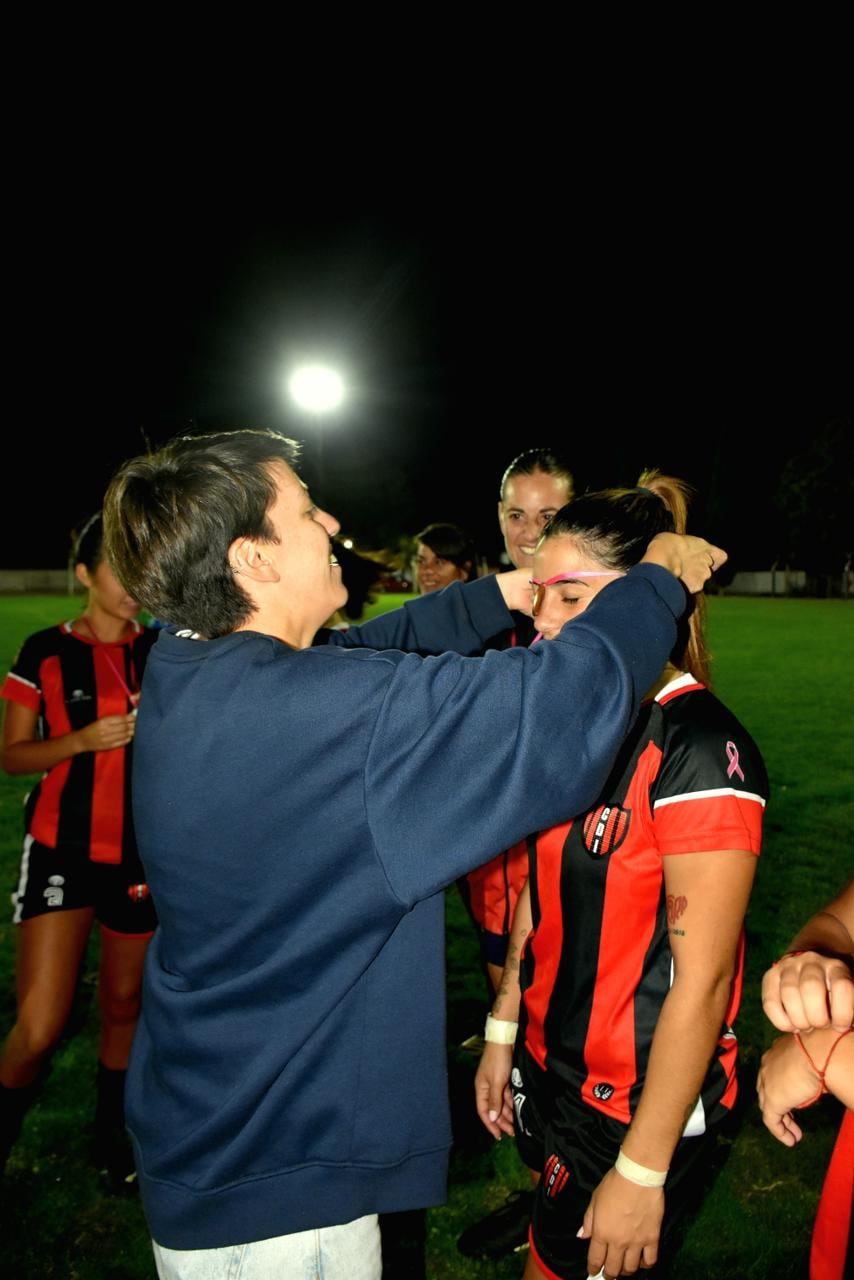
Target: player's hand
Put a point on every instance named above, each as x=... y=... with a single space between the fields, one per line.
x=107 y=734
x=785 y=1081
x=692 y=559
x=623 y=1224
x=809 y=990
x=492 y=1095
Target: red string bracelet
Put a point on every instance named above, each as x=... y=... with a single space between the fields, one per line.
x=822 y=1087
x=787 y=955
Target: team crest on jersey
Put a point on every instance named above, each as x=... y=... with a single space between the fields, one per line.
x=602 y=1091
x=605 y=829
x=555 y=1177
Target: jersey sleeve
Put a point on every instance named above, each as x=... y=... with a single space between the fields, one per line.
x=23 y=683
x=711 y=790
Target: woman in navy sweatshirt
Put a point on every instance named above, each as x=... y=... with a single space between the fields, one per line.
x=286 y=1079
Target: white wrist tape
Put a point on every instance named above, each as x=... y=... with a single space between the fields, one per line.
x=638 y=1173
x=500 y=1032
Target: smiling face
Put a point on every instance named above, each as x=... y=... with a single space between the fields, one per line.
x=528 y=504
x=435 y=571
x=565 y=600
x=304 y=575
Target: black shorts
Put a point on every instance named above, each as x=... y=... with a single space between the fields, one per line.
x=573 y=1146
x=66 y=879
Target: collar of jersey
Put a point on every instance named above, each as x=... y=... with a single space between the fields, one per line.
x=679 y=684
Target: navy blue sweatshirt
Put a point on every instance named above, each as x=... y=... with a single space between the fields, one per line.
x=298 y=814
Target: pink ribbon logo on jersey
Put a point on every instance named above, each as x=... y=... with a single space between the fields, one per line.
x=732 y=756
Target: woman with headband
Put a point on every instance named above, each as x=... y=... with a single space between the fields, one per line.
x=625 y=964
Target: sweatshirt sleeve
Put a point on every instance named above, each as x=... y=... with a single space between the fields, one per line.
x=460 y=618
x=468 y=755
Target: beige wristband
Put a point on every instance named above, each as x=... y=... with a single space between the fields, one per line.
x=638 y=1173
x=497 y=1031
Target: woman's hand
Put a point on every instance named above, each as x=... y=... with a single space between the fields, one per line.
x=25 y=752
x=692 y=559
x=623 y=1224
x=809 y=990
x=515 y=587
x=492 y=1095
x=107 y=734
x=785 y=1081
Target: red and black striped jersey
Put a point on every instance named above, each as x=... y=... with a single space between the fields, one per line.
x=598 y=965
x=69 y=681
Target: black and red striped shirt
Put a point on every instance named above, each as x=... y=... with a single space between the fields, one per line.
x=598 y=966
x=69 y=680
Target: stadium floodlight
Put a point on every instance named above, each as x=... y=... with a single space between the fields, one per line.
x=316 y=388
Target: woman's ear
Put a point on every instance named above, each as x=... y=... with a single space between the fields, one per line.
x=251 y=559
x=83 y=576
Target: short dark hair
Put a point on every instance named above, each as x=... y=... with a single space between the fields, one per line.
x=171 y=516
x=450 y=542
x=543 y=459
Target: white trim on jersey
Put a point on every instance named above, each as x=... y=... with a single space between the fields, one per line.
x=18 y=896
x=136 y=627
x=706 y=795
x=13 y=675
x=678 y=682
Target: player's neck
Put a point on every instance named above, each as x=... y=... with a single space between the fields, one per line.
x=102 y=627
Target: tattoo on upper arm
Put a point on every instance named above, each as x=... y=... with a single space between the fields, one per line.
x=676 y=907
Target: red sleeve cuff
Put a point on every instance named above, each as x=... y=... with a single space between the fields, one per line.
x=16 y=689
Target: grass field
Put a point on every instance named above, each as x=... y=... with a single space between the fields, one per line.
x=784 y=667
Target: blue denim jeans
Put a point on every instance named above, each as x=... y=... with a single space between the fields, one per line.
x=348 y=1252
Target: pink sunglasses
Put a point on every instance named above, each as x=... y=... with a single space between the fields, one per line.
x=540 y=584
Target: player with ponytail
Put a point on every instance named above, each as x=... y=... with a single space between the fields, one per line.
x=625 y=962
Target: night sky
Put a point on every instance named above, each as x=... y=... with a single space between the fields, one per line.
x=705 y=345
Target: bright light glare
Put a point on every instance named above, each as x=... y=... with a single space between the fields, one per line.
x=316 y=388
x=348 y=543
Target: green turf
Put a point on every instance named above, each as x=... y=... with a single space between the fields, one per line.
x=783 y=667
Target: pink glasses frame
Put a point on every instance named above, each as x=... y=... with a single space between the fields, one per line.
x=540 y=584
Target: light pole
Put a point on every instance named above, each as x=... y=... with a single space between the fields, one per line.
x=318 y=390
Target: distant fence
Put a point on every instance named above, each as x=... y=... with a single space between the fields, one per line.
x=771 y=582
x=789 y=582
x=43 y=581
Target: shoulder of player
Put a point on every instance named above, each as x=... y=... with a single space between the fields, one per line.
x=698 y=723
x=697 y=709
x=46 y=642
